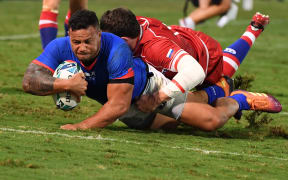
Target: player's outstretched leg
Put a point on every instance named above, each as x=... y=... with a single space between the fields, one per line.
x=211 y=118
x=234 y=54
x=256 y=101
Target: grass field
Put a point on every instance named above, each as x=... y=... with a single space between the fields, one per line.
x=33 y=147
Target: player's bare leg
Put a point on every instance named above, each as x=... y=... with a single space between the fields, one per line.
x=164 y=122
x=207 y=11
x=50 y=5
x=206 y=117
x=78 y=5
x=194 y=100
x=210 y=118
x=203 y=12
x=201 y=96
x=74 y=5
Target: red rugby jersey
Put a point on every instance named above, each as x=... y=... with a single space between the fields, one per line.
x=162 y=46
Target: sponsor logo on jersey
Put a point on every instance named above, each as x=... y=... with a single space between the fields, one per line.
x=90 y=76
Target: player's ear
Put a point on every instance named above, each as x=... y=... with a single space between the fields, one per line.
x=98 y=32
x=130 y=41
x=125 y=38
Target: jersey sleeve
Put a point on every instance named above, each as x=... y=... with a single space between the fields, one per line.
x=120 y=65
x=50 y=58
x=164 y=53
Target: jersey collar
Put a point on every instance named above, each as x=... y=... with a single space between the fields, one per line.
x=89 y=68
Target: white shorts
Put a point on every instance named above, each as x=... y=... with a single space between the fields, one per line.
x=173 y=108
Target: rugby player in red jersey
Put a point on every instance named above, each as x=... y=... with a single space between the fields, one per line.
x=189 y=58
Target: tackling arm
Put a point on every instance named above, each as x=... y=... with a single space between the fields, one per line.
x=190 y=74
x=119 y=100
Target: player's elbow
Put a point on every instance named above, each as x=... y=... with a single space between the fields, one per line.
x=202 y=75
x=26 y=85
x=122 y=108
x=125 y=108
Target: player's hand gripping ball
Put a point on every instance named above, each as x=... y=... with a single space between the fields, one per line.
x=65 y=100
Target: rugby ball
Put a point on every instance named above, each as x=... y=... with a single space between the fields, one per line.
x=65 y=100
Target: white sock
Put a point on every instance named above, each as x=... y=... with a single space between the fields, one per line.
x=247 y=5
x=189 y=22
x=230 y=15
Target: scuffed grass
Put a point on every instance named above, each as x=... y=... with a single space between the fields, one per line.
x=243 y=82
x=17 y=163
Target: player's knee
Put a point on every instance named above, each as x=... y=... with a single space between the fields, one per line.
x=212 y=124
x=51 y=5
x=225 y=7
x=203 y=8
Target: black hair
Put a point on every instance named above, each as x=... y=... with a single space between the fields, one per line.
x=121 y=22
x=82 y=19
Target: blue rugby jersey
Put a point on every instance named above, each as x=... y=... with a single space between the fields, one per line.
x=113 y=63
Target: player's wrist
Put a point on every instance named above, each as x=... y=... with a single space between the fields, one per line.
x=82 y=126
x=160 y=97
x=61 y=85
x=66 y=85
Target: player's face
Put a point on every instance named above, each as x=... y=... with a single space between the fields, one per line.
x=85 y=43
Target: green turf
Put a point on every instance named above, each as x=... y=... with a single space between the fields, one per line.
x=33 y=147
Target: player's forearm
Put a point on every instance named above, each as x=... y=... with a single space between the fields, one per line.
x=190 y=74
x=39 y=81
x=107 y=115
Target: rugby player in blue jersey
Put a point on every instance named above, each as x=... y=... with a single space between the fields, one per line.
x=116 y=80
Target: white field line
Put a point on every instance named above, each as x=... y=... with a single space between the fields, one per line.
x=24 y=36
x=19 y=36
x=284 y=113
x=100 y=138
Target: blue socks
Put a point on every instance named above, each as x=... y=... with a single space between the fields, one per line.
x=240 y=47
x=47 y=35
x=241 y=99
x=213 y=93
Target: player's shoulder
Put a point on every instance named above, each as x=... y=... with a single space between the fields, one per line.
x=113 y=42
x=148 y=21
x=109 y=37
x=62 y=40
x=59 y=43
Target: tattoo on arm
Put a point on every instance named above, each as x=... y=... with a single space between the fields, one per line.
x=38 y=80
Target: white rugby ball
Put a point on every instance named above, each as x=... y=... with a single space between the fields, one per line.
x=65 y=100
